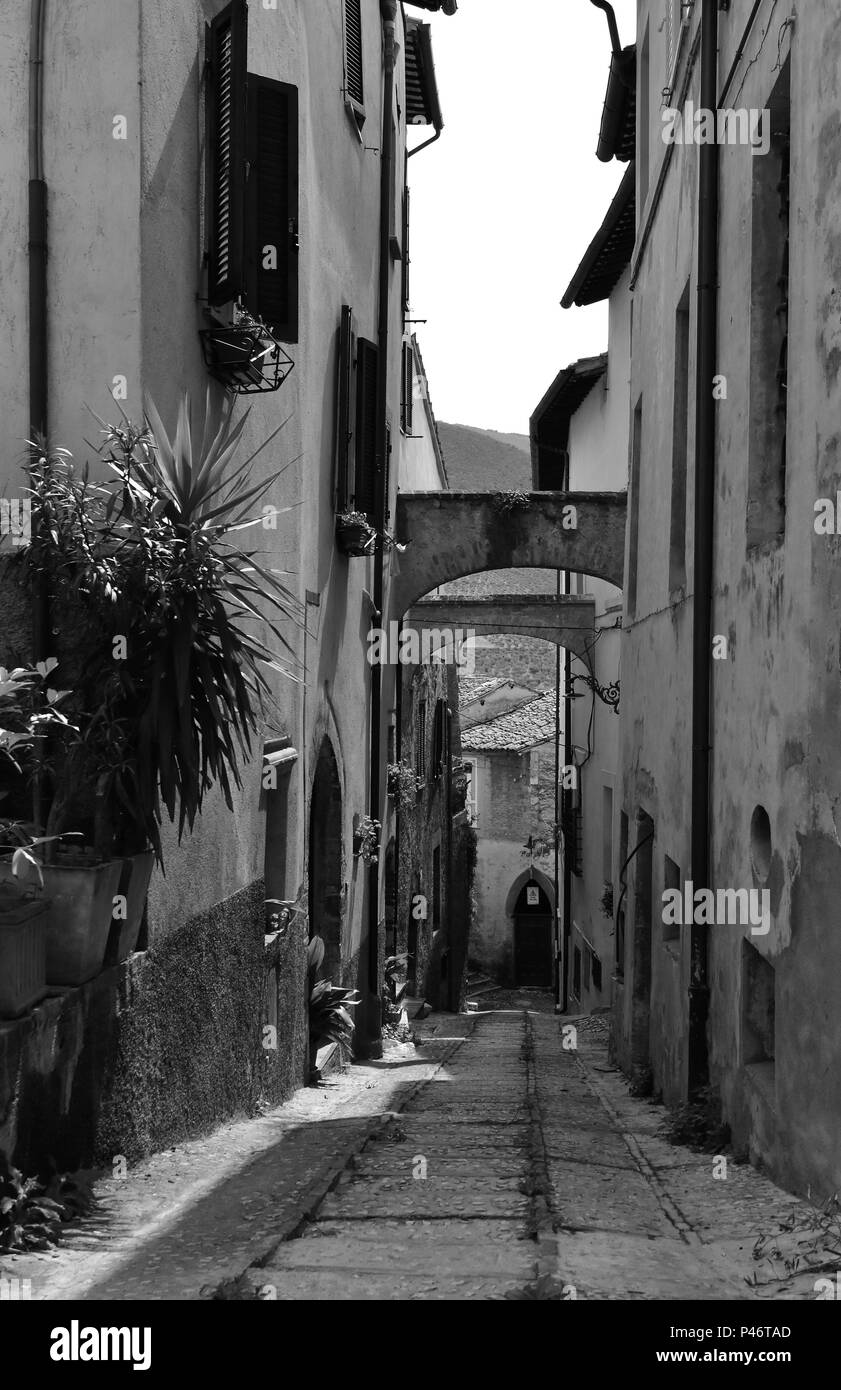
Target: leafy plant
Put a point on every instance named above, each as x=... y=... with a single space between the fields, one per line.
x=509 y=501
x=354 y=519
x=395 y=987
x=329 y=1020
x=606 y=901
x=403 y=783
x=174 y=672
x=698 y=1124
x=366 y=839
x=33 y=1210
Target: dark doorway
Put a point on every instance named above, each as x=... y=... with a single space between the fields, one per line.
x=533 y=938
x=642 y=917
x=325 y=862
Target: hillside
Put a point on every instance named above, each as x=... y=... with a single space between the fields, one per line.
x=482 y=460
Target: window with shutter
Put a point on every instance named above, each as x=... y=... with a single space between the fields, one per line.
x=344 y=413
x=226 y=142
x=387 y=482
x=365 y=471
x=408 y=388
x=353 y=55
x=406 y=248
x=272 y=206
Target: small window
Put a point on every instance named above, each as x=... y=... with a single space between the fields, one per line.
x=576 y=972
x=588 y=955
x=436 y=888
x=671 y=881
x=440 y=739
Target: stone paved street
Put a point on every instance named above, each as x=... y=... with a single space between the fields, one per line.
x=487 y=1163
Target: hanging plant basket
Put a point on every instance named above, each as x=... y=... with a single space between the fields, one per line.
x=354 y=533
x=366 y=839
x=246 y=356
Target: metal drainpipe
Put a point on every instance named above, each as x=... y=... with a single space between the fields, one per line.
x=705 y=428
x=388 y=9
x=611 y=24
x=38 y=380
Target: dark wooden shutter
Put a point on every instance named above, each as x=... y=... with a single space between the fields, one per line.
x=344 y=416
x=353 y=50
x=272 y=206
x=366 y=428
x=227 y=53
x=408 y=388
x=387 y=481
x=406 y=216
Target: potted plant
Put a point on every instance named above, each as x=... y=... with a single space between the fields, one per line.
x=354 y=533
x=330 y=1024
x=403 y=783
x=171 y=679
x=366 y=839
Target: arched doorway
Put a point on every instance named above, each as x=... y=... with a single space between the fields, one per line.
x=325 y=861
x=533 y=937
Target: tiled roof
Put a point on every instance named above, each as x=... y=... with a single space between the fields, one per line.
x=517 y=730
x=472 y=688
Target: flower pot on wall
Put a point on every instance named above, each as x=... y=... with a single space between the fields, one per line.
x=23 y=922
x=133 y=886
x=80 y=919
x=353 y=537
x=81 y=901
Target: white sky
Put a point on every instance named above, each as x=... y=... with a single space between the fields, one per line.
x=505 y=204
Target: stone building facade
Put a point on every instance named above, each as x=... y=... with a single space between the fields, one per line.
x=734 y=409
x=133 y=114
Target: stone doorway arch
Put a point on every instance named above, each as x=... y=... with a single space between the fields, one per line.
x=325 y=860
x=533 y=945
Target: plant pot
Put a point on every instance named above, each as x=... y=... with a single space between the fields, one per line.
x=23 y=939
x=352 y=537
x=133 y=886
x=81 y=901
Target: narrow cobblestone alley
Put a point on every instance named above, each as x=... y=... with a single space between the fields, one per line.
x=489 y=1162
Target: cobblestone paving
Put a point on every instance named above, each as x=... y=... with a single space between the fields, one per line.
x=489 y=1163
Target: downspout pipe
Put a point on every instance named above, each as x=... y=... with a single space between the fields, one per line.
x=388 y=9
x=38 y=380
x=611 y=24
x=705 y=442
x=38 y=416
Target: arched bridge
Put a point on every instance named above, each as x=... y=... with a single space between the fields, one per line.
x=451 y=534
x=568 y=621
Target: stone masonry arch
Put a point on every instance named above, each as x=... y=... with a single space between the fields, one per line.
x=452 y=534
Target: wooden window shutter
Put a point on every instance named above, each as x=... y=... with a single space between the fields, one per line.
x=227 y=54
x=365 y=477
x=344 y=415
x=272 y=206
x=408 y=387
x=353 y=51
x=406 y=248
x=387 y=480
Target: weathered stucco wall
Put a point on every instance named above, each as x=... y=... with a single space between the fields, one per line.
x=125 y=290
x=775 y=695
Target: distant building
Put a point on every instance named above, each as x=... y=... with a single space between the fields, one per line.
x=509 y=760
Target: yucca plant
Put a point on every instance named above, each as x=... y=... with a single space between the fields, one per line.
x=178 y=622
x=329 y=1020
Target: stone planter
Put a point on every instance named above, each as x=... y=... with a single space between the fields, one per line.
x=23 y=922
x=81 y=901
x=133 y=886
